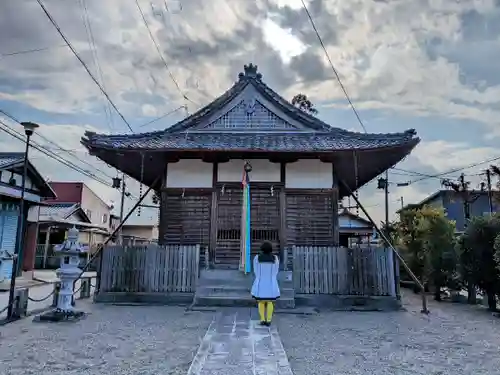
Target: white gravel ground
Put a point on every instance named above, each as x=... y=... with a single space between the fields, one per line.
x=453 y=339
x=121 y=340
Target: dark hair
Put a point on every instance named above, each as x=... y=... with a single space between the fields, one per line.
x=266 y=253
x=266 y=248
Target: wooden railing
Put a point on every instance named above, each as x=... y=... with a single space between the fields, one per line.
x=149 y=269
x=343 y=271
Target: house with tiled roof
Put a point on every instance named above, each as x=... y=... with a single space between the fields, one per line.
x=76 y=205
x=453 y=204
x=36 y=190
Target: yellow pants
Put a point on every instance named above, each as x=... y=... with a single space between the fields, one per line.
x=266 y=309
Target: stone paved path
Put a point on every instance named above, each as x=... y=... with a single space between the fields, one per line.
x=235 y=343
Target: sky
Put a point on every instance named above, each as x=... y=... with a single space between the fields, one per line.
x=428 y=65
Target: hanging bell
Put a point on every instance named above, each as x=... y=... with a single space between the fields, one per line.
x=117 y=181
x=155 y=198
x=381 y=182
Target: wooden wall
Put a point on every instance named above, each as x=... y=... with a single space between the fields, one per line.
x=343 y=271
x=286 y=210
x=149 y=269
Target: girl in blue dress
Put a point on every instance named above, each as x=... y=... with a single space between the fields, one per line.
x=265 y=287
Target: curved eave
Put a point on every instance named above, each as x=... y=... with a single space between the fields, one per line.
x=247 y=142
x=355 y=167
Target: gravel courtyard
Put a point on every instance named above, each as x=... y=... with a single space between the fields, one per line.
x=111 y=340
x=453 y=339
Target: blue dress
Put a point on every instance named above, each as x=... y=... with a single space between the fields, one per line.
x=265 y=285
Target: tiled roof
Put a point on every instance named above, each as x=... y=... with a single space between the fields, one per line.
x=57 y=211
x=318 y=135
x=16 y=159
x=285 y=142
x=9 y=158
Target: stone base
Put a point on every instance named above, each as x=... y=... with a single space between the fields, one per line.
x=56 y=316
x=144 y=298
x=231 y=288
x=348 y=303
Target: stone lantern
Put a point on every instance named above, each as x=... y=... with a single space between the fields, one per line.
x=69 y=251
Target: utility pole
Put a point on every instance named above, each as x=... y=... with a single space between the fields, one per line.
x=117 y=184
x=122 y=204
x=488 y=184
x=386 y=194
x=383 y=184
x=402 y=202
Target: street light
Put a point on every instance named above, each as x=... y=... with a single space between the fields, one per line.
x=29 y=129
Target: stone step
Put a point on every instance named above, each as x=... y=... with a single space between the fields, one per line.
x=236 y=288
x=287 y=293
x=239 y=301
x=219 y=287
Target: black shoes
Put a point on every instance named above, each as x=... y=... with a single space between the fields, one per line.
x=267 y=324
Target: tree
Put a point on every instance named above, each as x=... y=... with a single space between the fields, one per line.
x=428 y=244
x=439 y=249
x=478 y=258
x=411 y=241
x=390 y=231
x=304 y=104
x=495 y=171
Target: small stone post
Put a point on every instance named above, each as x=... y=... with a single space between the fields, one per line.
x=69 y=251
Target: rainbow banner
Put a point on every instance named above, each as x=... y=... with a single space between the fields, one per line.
x=246 y=261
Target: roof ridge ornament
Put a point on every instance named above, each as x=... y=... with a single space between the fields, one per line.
x=250 y=71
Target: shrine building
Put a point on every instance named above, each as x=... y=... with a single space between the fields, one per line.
x=298 y=169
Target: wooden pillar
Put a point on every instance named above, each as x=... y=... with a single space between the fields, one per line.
x=335 y=207
x=30 y=247
x=46 y=247
x=163 y=208
x=282 y=203
x=213 y=215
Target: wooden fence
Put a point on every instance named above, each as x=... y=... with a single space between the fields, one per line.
x=149 y=269
x=343 y=271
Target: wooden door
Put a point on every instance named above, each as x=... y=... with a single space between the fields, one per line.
x=185 y=217
x=309 y=218
x=265 y=217
x=229 y=209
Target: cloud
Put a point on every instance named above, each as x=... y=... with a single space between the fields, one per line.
x=392 y=59
x=443 y=156
x=68 y=137
x=387 y=56
x=417 y=57
x=430 y=158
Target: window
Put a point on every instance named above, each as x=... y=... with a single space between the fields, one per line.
x=104 y=218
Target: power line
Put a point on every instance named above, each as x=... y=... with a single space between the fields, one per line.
x=15 y=134
x=407 y=173
x=161 y=55
x=162 y=116
x=332 y=66
x=22 y=52
x=54 y=23
x=69 y=152
x=454 y=170
x=95 y=57
x=68 y=163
